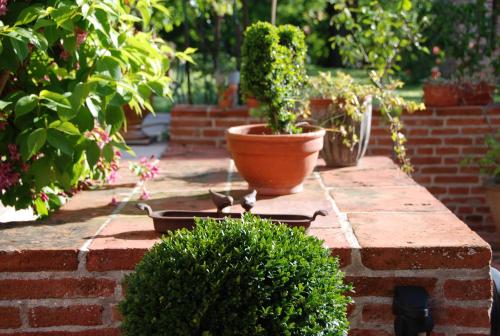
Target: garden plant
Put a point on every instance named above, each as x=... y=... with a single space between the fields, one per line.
x=273 y=72
x=236 y=277
x=347 y=107
x=68 y=68
x=276 y=157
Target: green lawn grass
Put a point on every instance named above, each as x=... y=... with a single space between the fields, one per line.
x=200 y=84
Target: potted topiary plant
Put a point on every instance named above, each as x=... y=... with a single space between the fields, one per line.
x=274 y=158
x=344 y=108
x=236 y=277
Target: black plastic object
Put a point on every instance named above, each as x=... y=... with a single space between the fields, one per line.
x=495 y=309
x=412 y=310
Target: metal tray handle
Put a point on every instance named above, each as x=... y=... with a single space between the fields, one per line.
x=319 y=213
x=145 y=207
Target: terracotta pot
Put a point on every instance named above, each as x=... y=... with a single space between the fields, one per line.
x=477 y=94
x=492 y=188
x=441 y=95
x=134 y=134
x=334 y=152
x=252 y=102
x=274 y=164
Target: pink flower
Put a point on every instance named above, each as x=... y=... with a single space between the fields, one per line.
x=3 y=7
x=8 y=177
x=114 y=201
x=99 y=135
x=44 y=197
x=13 y=152
x=145 y=169
x=436 y=50
x=81 y=36
x=145 y=195
x=64 y=54
x=113 y=176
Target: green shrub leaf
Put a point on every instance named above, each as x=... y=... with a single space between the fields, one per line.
x=36 y=140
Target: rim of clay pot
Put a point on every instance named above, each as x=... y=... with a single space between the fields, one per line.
x=440 y=85
x=242 y=132
x=320 y=101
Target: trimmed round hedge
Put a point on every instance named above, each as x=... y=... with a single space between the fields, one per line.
x=236 y=277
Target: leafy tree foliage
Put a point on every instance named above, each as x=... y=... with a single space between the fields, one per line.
x=68 y=69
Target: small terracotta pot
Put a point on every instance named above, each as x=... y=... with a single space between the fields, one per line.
x=441 y=95
x=274 y=164
x=134 y=134
x=492 y=188
x=252 y=102
x=477 y=94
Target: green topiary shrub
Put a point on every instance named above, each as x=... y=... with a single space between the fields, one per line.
x=273 y=71
x=236 y=277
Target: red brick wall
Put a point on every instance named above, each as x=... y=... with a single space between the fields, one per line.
x=438 y=141
x=194 y=125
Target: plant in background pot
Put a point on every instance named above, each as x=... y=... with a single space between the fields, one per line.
x=237 y=277
x=275 y=158
x=489 y=165
x=344 y=108
x=440 y=91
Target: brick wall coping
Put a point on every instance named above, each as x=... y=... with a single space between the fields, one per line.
x=385 y=228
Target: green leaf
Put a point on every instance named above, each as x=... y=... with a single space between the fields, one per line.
x=41 y=208
x=60 y=141
x=29 y=14
x=109 y=66
x=65 y=127
x=59 y=103
x=41 y=170
x=84 y=120
x=93 y=153
x=108 y=152
x=20 y=48
x=25 y=105
x=4 y=104
x=80 y=93
x=115 y=117
x=36 y=140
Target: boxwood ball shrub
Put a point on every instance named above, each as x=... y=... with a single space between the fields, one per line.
x=236 y=277
x=273 y=71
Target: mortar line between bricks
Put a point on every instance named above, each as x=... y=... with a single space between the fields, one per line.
x=345 y=225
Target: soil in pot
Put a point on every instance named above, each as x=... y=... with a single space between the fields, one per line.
x=274 y=164
x=441 y=95
x=335 y=152
x=492 y=188
x=477 y=94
